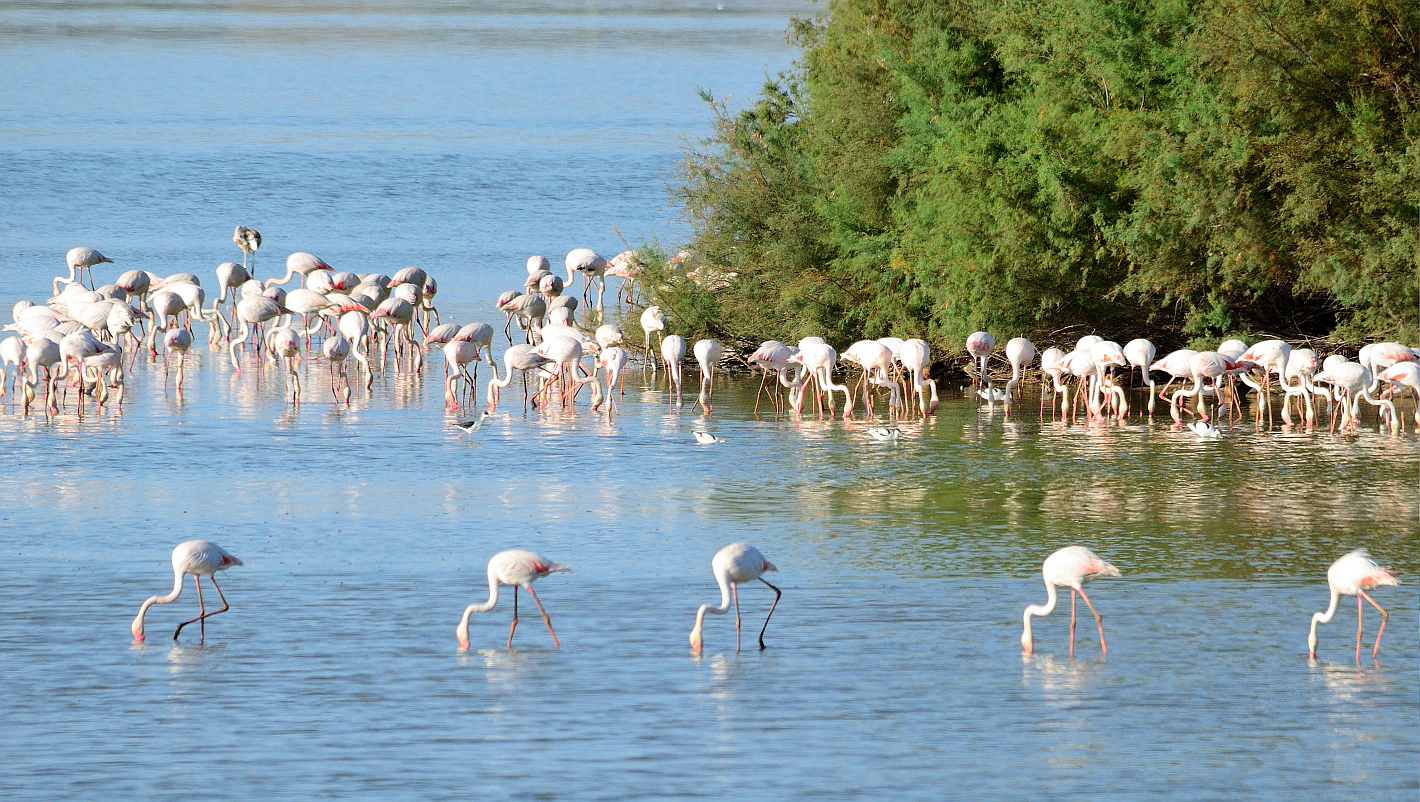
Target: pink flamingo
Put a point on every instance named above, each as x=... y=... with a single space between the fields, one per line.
x=199 y=558
x=735 y=563
x=1353 y=575
x=1069 y=567
x=520 y=569
x=980 y=345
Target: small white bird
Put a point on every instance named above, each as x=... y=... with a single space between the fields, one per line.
x=992 y=395
x=706 y=438
x=472 y=425
x=1205 y=430
x=881 y=433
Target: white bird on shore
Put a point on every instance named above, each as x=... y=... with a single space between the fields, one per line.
x=706 y=438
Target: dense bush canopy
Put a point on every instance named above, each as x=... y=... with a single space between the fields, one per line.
x=1180 y=170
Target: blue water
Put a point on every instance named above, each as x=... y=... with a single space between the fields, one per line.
x=462 y=139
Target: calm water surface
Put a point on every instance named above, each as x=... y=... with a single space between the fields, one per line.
x=462 y=139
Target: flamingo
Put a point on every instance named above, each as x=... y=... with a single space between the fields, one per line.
x=337 y=349
x=176 y=341
x=1353 y=575
x=199 y=558
x=518 y=357
x=819 y=359
x=916 y=355
x=1140 y=353
x=772 y=355
x=249 y=240
x=230 y=276
x=1069 y=567
x=653 y=319
x=302 y=263
x=1020 y=352
x=613 y=360
x=1405 y=374
x=457 y=355
x=980 y=345
x=732 y=565
x=287 y=344
x=520 y=569
x=707 y=354
x=251 y=310
x=673 y=351
x=875 y=359
x=625 y=266
x=79 y=260
x=591 y=266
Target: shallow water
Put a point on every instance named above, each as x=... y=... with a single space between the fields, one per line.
x=894 y=658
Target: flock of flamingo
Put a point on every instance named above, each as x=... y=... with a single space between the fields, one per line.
x=738 y=563
x=81 y=334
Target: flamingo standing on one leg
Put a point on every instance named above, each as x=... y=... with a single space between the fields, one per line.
x=199 y=558
x=1069 y=567
x=520 y=569
x=735 y=563
x=1353 y=575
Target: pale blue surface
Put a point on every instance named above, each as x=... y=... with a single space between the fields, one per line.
x=462 y=141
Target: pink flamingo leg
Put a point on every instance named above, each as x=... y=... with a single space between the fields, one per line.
x=1072 y=622
x=736 y=588
x=1099 y=621
x=1384 y=617
x=545 y=619
x=201 y=619
x=777 y=594
x=1359 y=608
x=514 y=627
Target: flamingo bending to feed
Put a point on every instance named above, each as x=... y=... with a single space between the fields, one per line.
x=707 y=354
x=199 y=558
x=1140 y=354
x=518 y=357
x=1020 y=352
x=1069 y=567
x=1353 y=575
x=302 y=263
x=591 y=266
x=653 y=319
x=520 y=569
x=772 y=355
x=79 y=260
x=1405 y=375
x=735 y=563
x=915 y=356
x=980 y=345
x=673 y=351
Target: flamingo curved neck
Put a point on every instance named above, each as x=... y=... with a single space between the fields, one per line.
x=1323 y=618
x=478 y=608
x=1038 y=609
x=152 y=600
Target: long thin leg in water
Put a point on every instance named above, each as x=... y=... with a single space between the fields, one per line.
x=1099 y=622
x=545 y=619
x=777 y=594
x=201 y=610
x=514 y=627
x=1384 y=617
x=736 y=588
x=1072 y=622
x=1359 y=608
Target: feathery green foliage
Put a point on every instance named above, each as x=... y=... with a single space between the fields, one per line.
x=1185 y=170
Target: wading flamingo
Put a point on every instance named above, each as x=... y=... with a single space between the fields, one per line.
x=302 y=263
x=980 y=345
x=673 y=351
x=735 y=563
x=520 y=569
x=1020 y=352
x=79 y=260
x=249 y=240
x=708 y=354
x=653 y=319
x=199 y=558
x=1353 y=575
x=1069 y=567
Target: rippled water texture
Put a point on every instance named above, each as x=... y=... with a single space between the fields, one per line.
x=463 y=140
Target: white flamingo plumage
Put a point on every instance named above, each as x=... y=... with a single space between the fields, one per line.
x=733 y=565
x=1353 y=575
x=1069 y=567
x=520 y=569
x=199 y=558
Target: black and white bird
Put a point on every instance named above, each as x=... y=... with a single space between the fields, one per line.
x=706 y=438
x=1205 y=430
x=881 y=433
x=472 y=425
